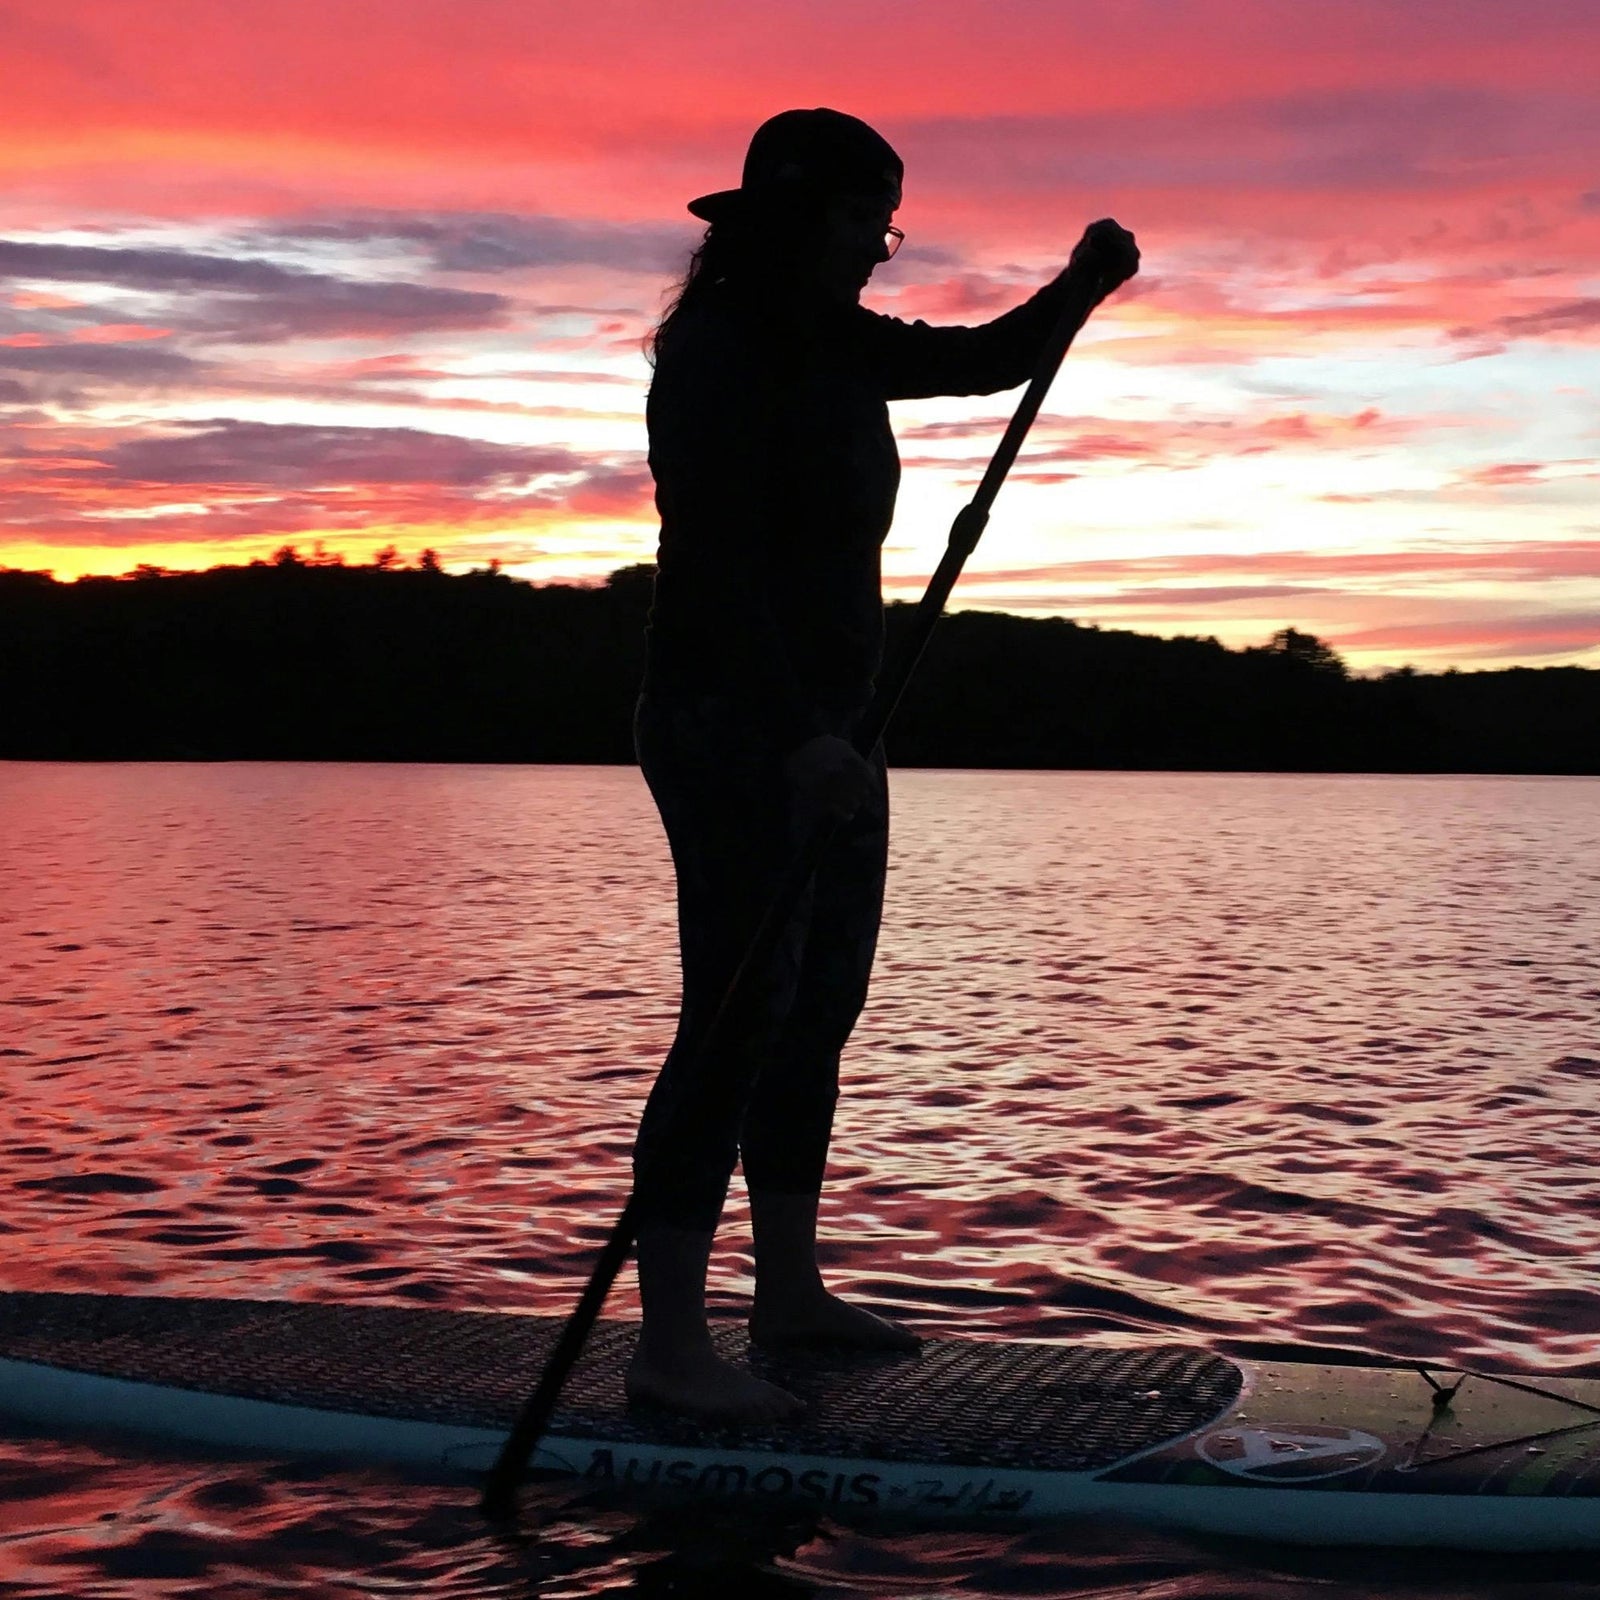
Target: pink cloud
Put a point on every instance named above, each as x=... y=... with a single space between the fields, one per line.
x=1560 y=633
x=119 y=333
x=1171 y=441
x=1533 y=561
x=1327 y=587
x=1506 y=472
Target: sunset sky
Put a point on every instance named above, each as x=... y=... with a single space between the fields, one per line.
x=373 y=272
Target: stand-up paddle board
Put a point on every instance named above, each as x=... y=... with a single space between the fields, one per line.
x=985 y=1431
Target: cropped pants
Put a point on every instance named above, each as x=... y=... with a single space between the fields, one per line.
x=765 y=1093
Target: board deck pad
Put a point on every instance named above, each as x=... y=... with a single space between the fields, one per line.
x=963 y=1402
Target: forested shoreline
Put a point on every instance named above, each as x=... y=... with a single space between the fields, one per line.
x=308 y=659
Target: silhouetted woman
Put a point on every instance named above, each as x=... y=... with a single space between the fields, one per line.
x=776 y=475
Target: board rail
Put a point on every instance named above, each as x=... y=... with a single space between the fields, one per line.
x=1168 y=1435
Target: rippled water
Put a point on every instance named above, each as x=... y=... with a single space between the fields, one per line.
x=1301 y=1059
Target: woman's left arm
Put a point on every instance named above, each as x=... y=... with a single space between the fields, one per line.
x=914 y=359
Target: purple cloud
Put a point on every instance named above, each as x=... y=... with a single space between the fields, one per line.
x=224 y=450
x=255 y=301
x=497 y=241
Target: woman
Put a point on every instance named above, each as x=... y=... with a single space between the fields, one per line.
x=776 y=475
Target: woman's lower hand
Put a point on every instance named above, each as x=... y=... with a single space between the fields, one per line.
x=829 y=776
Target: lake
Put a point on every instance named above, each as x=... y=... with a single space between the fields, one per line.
x=1220 y=1057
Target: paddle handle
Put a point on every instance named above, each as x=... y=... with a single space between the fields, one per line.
x=973 y=518
x=499 y=1495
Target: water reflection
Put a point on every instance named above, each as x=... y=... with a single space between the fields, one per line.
x=1238 y=1055
x=132 y=1528
x=1295 y=1059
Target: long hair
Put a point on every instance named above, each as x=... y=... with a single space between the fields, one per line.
x=761 y=251
x=708 y=265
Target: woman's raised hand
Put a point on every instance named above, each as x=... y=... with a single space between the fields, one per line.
x=1109 y=251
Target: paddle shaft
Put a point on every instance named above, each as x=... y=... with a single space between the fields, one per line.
x=500 y=1490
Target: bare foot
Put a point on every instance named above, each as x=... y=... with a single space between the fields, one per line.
x=820 y=1318
x=701 y=1384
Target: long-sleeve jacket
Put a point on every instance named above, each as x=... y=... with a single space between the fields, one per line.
x=776 y=474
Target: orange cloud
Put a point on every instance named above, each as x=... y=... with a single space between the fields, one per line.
x=203 y=484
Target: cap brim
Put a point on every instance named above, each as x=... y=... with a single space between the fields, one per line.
x=714 y=207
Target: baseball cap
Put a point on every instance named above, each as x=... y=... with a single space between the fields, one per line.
x=821 y=150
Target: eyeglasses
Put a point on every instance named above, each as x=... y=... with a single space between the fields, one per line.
x=893 y=238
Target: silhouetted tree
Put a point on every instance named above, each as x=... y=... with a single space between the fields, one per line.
x=636 y=583
x=1307 y=650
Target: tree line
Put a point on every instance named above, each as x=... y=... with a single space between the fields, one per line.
x=305 y=658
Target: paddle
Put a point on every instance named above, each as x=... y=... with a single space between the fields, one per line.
x=500 y=1491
